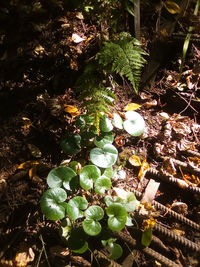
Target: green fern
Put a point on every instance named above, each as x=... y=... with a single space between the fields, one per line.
x=96 y=97
x=125 y=57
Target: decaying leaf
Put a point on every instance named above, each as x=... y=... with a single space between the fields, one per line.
x=77 y=39
x=152 y=103
x=172 y=7
x=23 y=258
x=149 y=223
x=119 y=141
x=72 y=110
x=28 y=164
x=134 y=160
x=132 y=106
x=143 y=169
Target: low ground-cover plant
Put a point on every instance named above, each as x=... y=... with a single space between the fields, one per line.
x=84 y=214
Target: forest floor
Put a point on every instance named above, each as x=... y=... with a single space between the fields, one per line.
x=35 y=86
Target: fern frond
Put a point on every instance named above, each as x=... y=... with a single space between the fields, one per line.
x=125 y=57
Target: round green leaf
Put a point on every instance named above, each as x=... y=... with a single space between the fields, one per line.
x=134 y=123
x=76 y=206
x=77 y=239
x=117 y=121
x=107 y=172
x=116 y=251
x=52 y=203
x=80 y=122
x=94 y=212
x=104 y=157
x=70 y=143
x=81 y=250
x=88 y=176
x=106 y=124
x=104 y=139
x=91 y=227
x=130 y=202
x=117 y=216
x=61 y=175
x=102 y=184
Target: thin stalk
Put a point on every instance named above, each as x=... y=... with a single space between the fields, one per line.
x=187 y=39
x=137 y=19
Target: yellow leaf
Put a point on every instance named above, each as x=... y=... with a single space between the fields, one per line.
x=172 y=7
x=72 y=110
x=134 y=160
x=132 y=106
x=28 y=164
x=143 y=169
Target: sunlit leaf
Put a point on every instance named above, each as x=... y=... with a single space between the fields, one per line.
x=88 y=175
x=77 y=39
x=143 y=169
x=28 y=164
x=117 y=121
x=103 y=139
x=105 y=157
x=134 y=123
x=146 y=237
x=102 y=184
x=52 y=203
x=75 y=207
x=132 y=106
x=72 y=110
x=105 y=124
x=117 y=216
x=134 y=160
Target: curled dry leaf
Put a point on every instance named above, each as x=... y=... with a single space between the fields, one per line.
x=119 y=141
x=152 y=103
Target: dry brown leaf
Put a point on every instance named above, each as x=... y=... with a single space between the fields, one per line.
x=23 y=258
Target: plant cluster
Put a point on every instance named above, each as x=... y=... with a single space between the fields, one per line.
x=122 y=56
x=68 y=198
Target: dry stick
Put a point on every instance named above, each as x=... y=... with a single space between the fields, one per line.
x=176 y=215
x=43 y=249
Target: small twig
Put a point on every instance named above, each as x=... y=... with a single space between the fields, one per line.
x=43 y=249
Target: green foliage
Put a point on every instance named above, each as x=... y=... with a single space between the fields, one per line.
x=125 y=57
x=87 y=217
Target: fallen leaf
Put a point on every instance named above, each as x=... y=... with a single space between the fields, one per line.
x=119 y=140
x=77 y=39
x=72 y=110
x=23 y=258
x=132 y=106
x=143 y=169
x=28 y=164
x=134 y=160
x=152 y=103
